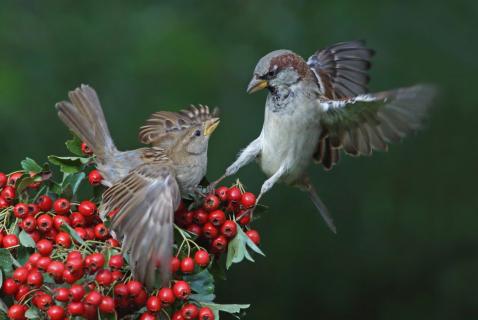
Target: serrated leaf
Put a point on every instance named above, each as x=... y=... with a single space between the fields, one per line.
x=74 y=145
x=249 y=242
x=237 y=248
x=68 y=164
x=201 y=282
x=26 y=240
x=6 y=260
x=65 y=227
x=71 y=182
x=30 y=165
x=203 y=297
x=228 y=308
x=23 y=254
x=32 y=313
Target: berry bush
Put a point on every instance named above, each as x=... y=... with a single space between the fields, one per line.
x=58 y=259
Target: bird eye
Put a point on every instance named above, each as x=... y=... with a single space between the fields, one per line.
x=197 y=133
x=271 y=73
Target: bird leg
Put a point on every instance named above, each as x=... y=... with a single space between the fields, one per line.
x=246 y=156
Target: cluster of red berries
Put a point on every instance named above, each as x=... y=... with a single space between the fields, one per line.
x=74 y=267
x=215 y=222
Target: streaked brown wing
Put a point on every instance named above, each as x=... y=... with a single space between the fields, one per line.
x=372 y=121
x=146 y=200
x=163 y=122
x=342 y=69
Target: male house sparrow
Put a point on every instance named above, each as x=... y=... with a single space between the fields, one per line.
x=146 y=184
x=316 y=108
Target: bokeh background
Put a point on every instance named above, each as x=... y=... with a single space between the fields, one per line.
x=407 y=246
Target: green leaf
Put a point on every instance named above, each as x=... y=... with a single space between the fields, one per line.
x=48 y=278
x=218 y=269
x=32 y=313
x=6 y=260
x=71 y=182
x=26 y=240
x=237 y=248
x=3 y=306
x=23 y=254
x=65 y=227
x=68 y=164
x=1 y=278
x=201 y=282
x=203 y=297
x=234 y=309
x=30 y=165
x=74 y=145
x=250 y=243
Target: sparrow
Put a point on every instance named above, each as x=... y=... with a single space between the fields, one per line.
x=318 y=107
x=145 y=185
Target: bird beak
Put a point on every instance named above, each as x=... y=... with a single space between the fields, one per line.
x=210 y=126
x=256 y=85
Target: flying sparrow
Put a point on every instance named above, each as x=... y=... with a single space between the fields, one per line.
x=146 y=184
x=316 y=108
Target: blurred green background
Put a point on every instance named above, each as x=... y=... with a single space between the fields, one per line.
x=408 y=219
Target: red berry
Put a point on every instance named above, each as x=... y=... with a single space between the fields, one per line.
x=93 y=298
x=44 y=202
x=22 y=292
x=187 y=265
x=209 y=231
x=95 y=177
x=75 y=308
x=219 y=244
x=104 y=277
x=229 y=229
x=95 y=261
x=254 y=236
x=77 y=292
x=217 y=218
x=200 y=217
x=211 y=202
x=75 y=254
x=181 y=290
x=17 y=312
x=44 y=222
x=43 y=263
x=113 y=243
x=56 y=269
x=189 y=311
x=35 y=279
x=56 y=313
x=62 y=294
x=134 y=288
x=175 y=264
x=50 y=234
x=194 y=229
x=10 y=240
x=42 y=300
x=166 y=296
x=116 y=261
x=58 y=221
x=29 y=224
x=153 y=304
x=44 y=247
x=205 y=313
x=10 y=287
x=117 y=275
x=147 y=316
x=63 y=239
x=248 y=199
x=90 y=311
x=107 y=305
x=244 y=217
x=35 y=235
x=184 y=218
x=101 y=231
x=74 y=264
x=121 y=290
x=3 y=179
x=61 y=206
x=140 y=299
x=8 y=193
x=234 y=194
x=12 y=180
x=87 y=208
x=221 y=192
x=81 y=232
x=20 y=210
x=201 y=258
x=33 y=259
x=77 y=220
x=85 y=149
x=33 y=209
x=3 y=202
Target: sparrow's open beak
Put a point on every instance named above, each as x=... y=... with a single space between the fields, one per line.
x=256 y=85
x=210 y=126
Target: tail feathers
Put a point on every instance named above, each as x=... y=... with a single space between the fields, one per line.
x=84 y=116
x=321 y=207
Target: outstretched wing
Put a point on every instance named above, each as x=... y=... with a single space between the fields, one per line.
x=371 y=121
x=146 y=200
x=342 y=69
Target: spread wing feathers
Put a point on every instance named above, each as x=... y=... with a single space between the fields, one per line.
x=342 y=69
x=371 y=121
x=325 y=154
x=146 y=200
x=84 y=116
x=163 y=122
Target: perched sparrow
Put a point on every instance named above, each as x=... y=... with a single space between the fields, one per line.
x=145 y=185
x=316 y=108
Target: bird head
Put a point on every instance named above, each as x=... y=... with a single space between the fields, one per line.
x=196 y=138
x=280 y=68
